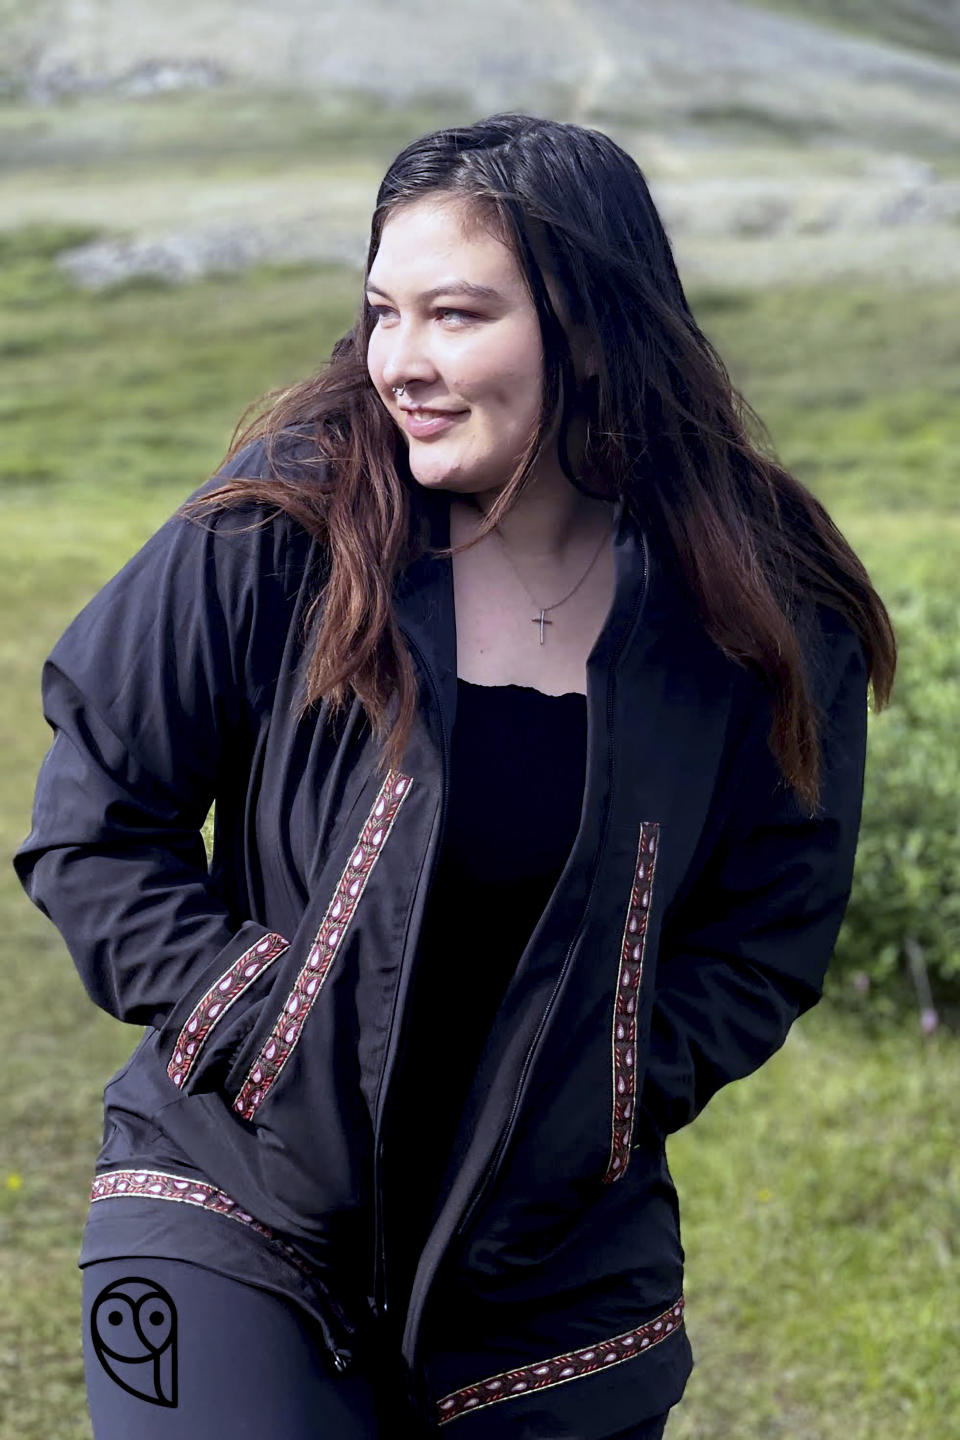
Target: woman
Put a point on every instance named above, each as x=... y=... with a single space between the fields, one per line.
x=532 y=697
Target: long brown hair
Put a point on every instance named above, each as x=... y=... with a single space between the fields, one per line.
x=665 y=428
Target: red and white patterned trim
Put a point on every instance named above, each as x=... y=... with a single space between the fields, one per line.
x=573 y=1365
x=212 y=1007
x=279 y=1044
x=624 y=1040
x=161 y=1185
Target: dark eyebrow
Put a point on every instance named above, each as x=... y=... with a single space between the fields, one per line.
x=453 y=287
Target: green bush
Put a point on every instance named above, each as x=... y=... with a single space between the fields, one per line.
x=903 y=919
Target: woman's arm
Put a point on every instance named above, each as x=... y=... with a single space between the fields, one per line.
x=747 y=952
x=150 y=694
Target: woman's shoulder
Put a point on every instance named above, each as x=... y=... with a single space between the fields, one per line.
x=221 y=578
x=256 y=539
x=289 y=452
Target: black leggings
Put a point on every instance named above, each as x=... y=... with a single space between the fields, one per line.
x=225 y=1358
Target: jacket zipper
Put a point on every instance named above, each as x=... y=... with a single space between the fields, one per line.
x=417 y=1296
x=493 y=1163
x=380 y=1298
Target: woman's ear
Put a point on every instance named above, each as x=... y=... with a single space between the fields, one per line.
x=585 y=362
x=582 y=340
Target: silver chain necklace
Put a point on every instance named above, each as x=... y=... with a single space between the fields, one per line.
x=538 y=619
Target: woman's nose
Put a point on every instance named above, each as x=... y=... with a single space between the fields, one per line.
x=405 y=357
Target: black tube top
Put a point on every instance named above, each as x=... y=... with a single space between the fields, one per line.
x=516 y=790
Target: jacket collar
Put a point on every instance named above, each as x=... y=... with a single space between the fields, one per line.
x=424 y=600
x=424 y=597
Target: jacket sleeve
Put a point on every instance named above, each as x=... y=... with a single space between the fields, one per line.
x=747 y=951
x=149 y=694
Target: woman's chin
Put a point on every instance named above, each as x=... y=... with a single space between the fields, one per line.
x=437 y=479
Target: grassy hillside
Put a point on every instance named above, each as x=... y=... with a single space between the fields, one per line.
x=930 y=26
x=642 y=63
x=820 y=1198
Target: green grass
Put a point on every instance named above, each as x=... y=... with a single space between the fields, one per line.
x=819 y=1203
x=819 y=1197
x=859 y=387
x=140 y=388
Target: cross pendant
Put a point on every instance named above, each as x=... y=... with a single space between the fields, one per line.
x=541 y=622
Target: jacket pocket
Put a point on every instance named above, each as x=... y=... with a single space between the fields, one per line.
x=205 y=1038
x=254 y=1075
x=623 y=1047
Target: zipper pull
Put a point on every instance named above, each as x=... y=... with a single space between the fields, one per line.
x=338 y=1330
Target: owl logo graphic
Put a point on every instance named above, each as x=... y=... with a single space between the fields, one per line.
x=133 y=1326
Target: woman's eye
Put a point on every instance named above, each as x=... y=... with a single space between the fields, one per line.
x=380 y=310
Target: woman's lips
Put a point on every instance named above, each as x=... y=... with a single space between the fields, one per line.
x=425 y=424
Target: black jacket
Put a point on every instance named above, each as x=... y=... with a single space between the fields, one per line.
x=692 y=923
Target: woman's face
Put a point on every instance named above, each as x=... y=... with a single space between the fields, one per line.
x=476 y=357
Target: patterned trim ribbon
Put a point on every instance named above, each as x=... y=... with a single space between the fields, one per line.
x=161 y=1185
x=212 y=1007
x=288 y=1027
x=624 y=1039
x=572 y=1365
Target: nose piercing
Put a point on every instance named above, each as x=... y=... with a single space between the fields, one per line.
x=398 y=389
